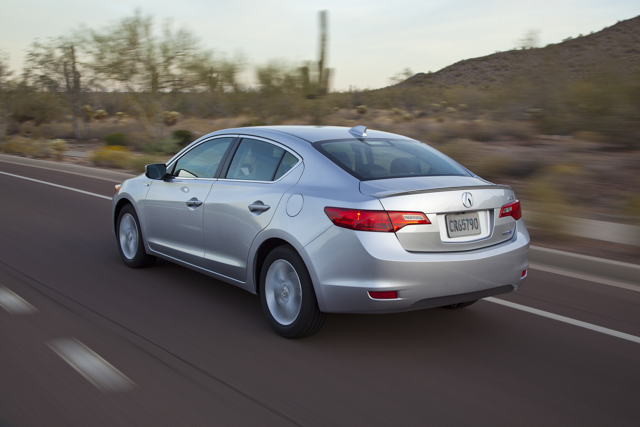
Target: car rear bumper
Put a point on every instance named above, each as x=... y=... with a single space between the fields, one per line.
x=345 y=265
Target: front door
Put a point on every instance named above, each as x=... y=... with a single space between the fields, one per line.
x=174 y=207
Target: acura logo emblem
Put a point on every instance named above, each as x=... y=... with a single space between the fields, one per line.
x=467 y=200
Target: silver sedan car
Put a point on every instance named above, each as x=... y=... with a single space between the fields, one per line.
x=318 y=220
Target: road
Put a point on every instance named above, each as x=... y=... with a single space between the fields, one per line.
x=179 y=348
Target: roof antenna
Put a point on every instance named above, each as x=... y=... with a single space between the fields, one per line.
x=359 y=132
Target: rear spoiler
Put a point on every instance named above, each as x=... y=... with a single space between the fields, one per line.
x=383 y=194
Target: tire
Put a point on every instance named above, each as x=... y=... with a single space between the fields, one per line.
x=461 y=304
x=287 y=295
x=129 y=237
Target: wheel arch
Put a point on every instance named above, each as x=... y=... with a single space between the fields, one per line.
x=261 y=254
x=119 y=206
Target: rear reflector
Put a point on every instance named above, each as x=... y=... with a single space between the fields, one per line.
x=383 y=294
x=511 y=209
x=524 y=274
x=364 y=220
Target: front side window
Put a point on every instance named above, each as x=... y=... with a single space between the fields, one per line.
x=259 y=161
x=203 y=160
x=388 y=158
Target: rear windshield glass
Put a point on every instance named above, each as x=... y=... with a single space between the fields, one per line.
x=388 y=158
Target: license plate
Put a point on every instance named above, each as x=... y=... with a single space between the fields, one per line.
x=466 y=224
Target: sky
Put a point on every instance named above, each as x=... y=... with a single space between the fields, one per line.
x=369 y=40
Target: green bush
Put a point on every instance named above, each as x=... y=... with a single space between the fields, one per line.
x=182 y=137
x=116 y=139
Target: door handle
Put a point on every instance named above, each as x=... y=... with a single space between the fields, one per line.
x=194 y=203
x=258 y=206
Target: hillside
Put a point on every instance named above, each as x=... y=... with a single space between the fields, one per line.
x=615 y=49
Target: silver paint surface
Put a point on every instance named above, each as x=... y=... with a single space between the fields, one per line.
x=222 y=237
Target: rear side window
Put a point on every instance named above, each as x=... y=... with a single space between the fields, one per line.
x=287 y=163
x=259 y=161
x=388 y=158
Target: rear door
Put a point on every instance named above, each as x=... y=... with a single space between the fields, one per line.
x=242 y=203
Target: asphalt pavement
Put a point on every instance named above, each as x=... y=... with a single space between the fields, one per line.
x=84 y=340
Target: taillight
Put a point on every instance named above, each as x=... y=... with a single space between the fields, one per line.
x=511 y=209
x=364 y=220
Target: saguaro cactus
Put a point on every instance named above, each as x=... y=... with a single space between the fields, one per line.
x=315 y=77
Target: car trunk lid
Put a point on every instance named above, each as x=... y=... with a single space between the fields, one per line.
x=464 y=211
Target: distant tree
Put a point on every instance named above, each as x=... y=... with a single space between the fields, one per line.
x=133 y=56
x=213 y=75
x=5 y=73
x=55 y=66
x=278 y=77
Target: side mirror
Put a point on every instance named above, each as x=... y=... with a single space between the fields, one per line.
x=155 y=171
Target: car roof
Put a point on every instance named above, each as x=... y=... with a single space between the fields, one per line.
x=310 y=133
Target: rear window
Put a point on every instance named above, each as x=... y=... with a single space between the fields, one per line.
x=388 y=158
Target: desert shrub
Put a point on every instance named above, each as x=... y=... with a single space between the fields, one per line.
x=588 y=136
x=252 y=122
x=116 y=139
x=168 y=146
x=101 y=129
x=137 y=163
x=15 y=145
x=56 y=130
x=362 y=109
x=58 y=146
x=170 y=118
x=461 y=150
x=112 y=156
x=524 y=167
x=633 y=207
x=100 y=115
x=483 y=131
x=546 y=199
x=518 y=130
x=491 y=166
x=27 y=147
x=28 y=128
x=183 y=137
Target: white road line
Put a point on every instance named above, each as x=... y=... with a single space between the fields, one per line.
x=94 y=368
x=69 y=172
x=13 y=303
x=57 y=185
x=564 y=319
x=586 y=277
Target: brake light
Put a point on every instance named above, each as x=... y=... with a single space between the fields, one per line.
x=365 y=220
x=511 y=209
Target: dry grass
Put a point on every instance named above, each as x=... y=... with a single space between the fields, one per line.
x=118 y=157
x=36 y=148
